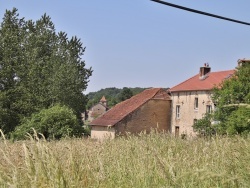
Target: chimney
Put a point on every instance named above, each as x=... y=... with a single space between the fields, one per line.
x=243 y=62
x=204 y=71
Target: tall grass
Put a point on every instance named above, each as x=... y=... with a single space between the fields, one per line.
x=154 y=160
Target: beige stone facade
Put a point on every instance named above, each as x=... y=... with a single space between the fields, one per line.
x=102 y=133
x=192 y=99
x=187 y=107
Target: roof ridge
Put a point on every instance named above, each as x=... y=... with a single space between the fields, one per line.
x=216 y=72
x=183 y=82
x=223 y=71
x=123 y=114
x=158 y=89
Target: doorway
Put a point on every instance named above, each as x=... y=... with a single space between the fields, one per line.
x=177 y=131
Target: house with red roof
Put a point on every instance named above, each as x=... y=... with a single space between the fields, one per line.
x=174 y=110
x=142 y=112
x=192 y=98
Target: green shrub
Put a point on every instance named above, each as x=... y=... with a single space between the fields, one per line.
x=239 y=122
x=204 y=127
x=53 y=123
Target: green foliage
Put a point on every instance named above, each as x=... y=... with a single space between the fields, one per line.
x=233 y=91
x=53 y=123
x=239 y=121
x=229 y=97
x=111 y=94
x=145 y=161
x=232 y=99
x=125 y=94
x=38 y=68
x=204 y=127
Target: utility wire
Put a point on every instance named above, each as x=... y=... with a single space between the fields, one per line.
x=200 y=12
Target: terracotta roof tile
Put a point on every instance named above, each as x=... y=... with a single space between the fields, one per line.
x=195 y=84
x=121 y=110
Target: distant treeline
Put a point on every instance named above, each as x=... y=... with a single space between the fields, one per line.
x=113 y=95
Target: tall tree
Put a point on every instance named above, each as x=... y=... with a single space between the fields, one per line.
x=11 y=47
x=38 y=69
x=232 y=100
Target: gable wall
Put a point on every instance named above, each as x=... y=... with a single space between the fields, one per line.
x=102 y=133
x=153 y=114
x=96 y=111
x=188 y=112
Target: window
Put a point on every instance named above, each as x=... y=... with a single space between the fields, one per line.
x=196 y=103
x=178 y=111
x=209 y=109
x=195 y=121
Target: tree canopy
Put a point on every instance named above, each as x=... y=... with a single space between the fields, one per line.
x=53 y=123
x=113 y=95
x=234 y=117
x=39 y=68
x=232 y=100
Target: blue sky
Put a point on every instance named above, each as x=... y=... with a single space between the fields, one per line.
x=140 y=43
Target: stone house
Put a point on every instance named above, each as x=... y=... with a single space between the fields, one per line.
x=142 y=112
x=191 y=99
x=96 y=110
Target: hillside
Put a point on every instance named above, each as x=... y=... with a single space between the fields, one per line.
x=113 y=95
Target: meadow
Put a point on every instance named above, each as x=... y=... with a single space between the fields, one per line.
x=154 y=160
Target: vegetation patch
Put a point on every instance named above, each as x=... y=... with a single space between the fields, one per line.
x=154 y=160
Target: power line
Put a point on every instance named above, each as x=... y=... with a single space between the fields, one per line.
x=200 y=12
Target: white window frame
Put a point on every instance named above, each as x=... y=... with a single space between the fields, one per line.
x=177 y=111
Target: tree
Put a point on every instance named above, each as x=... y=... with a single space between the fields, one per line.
x=125 y=94
x=111 y=94
x=53 y=123
x=233 y=117
x=204 y=126
x=11 y=37
x=239 y=121
x=38 y=69
x=232 y=99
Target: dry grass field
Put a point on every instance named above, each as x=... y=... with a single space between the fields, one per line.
x=155 y=160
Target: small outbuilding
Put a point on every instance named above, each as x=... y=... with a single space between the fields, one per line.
x=96 y=110
x=150 y=109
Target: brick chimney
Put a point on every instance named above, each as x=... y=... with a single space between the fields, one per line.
x=204 y=71
x=243 y=62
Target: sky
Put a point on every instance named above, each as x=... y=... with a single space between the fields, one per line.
x=140 y=43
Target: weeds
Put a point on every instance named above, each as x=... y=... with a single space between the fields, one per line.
x=154 y=160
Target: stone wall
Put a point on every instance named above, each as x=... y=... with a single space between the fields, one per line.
x=101 y=133
x=188 y=112
x=96 y=111
x=153 y=114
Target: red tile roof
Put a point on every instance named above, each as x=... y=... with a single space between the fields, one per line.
x=196 y=84
x=121 y=110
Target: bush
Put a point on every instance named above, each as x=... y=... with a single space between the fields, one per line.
x=53 y=123
x=239 y=122
x=204 y=126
